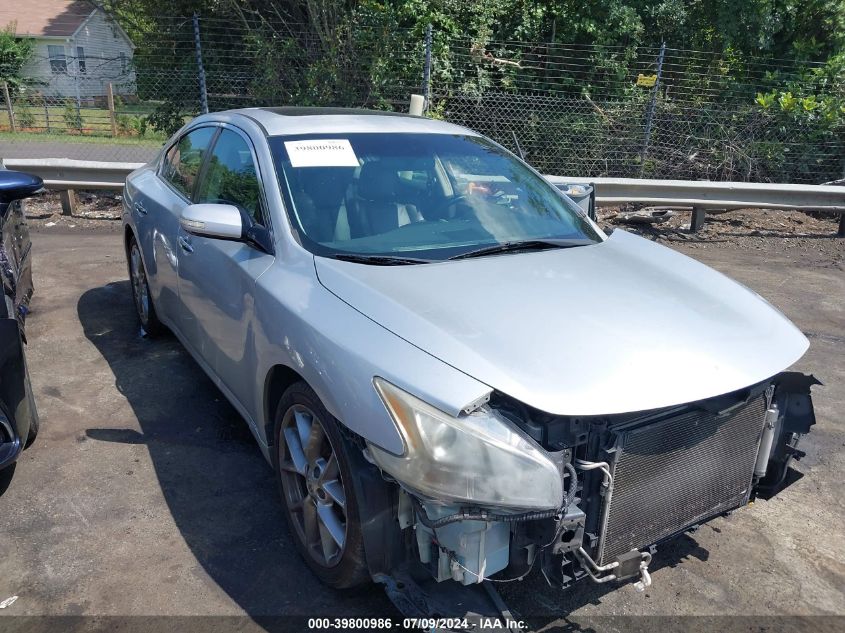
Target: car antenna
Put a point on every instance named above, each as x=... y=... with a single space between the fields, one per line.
x=518 y=148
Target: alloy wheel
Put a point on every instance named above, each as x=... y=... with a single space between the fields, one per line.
x=312 y=484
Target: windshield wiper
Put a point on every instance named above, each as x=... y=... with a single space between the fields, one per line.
x=522 y=245
x=380 y=260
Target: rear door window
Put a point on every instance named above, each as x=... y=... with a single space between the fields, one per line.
x=183 y=161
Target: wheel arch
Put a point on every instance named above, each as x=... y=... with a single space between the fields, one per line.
x=128 y=234
x=278 y=379
x=377 y=500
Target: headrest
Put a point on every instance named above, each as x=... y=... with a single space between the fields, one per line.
x=325 y=185
x=377 y=182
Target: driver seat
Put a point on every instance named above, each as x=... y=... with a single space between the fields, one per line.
x=374 y=207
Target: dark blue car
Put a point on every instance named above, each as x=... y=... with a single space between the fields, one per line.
x=18 y=416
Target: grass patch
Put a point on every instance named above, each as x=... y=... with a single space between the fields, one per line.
x=26 y=137
x=84 y=122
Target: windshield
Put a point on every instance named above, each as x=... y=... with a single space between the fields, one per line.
x=427 y=196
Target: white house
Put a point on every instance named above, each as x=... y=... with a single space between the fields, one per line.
x=79 y=48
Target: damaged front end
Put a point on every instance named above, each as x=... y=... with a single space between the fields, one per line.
x=582 y=497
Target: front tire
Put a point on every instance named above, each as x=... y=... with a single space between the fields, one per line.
x=141 y=296
x=315 y=480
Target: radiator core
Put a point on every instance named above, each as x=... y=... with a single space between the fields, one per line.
x=674 y=473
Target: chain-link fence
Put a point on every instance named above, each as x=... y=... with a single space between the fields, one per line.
x=571 y=110
x=653 y=113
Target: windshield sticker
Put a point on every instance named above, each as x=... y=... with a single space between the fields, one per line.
x=321 y=153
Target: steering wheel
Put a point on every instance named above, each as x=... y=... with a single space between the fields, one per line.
x=448 y=202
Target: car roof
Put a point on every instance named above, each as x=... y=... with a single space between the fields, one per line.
x=294 y=120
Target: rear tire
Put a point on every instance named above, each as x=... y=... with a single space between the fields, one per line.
x=34 y=422
x=312 y=465
x=141 y=296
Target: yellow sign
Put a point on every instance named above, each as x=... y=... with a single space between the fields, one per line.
x=646 y=81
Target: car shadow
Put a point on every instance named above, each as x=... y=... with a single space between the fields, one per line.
x=222 y=493
x=6 y=477
x=219 y=488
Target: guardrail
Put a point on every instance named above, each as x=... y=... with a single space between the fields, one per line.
x=67 y=175
x=703 y=195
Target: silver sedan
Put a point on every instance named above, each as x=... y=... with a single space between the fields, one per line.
x=452 y=368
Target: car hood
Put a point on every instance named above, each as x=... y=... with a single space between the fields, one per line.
x=621 y=326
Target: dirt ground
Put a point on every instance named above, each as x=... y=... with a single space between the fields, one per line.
x=749 y=229
x=145 y=494
x=95 y=211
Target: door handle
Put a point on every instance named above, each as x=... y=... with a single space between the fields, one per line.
x=185 y=244
x=139 y=208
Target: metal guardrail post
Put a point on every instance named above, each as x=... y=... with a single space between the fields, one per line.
x=696 y=222
x=67 y=197
x=200 y=67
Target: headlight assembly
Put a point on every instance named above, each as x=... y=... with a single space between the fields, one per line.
x=477 y=458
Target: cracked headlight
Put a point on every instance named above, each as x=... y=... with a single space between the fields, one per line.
x=477 y=458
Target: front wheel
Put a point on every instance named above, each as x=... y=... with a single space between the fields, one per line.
x=141 y=291
x=313 y=470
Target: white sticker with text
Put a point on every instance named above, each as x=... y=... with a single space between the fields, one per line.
x=321 y=153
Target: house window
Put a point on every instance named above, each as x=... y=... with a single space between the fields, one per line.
x=58 y=59
x=80 y=59
x=122 y=57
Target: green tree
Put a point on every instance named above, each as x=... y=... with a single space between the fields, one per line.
x=15 y=52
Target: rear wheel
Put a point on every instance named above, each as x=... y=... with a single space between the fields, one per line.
x=33 y=411
x=141 y=291
x=315 y=480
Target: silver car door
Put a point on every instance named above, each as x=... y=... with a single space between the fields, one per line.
x=217 y=277
x=157 y=202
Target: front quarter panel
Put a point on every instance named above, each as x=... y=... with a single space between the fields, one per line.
x=338 y=351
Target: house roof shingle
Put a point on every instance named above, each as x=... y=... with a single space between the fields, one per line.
x=45 y=18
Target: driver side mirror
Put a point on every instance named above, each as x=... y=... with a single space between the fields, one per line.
x=15 y=185
x=213 y=220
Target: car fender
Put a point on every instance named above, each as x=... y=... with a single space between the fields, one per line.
x=338 y=351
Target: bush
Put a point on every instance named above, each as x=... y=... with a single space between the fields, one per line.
x=168 y=117
x=129 y=125
x=25 y=118
x=72 y=117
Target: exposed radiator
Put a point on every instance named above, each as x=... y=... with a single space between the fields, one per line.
x=674 y=473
